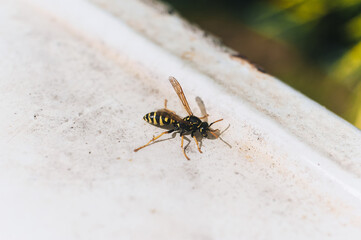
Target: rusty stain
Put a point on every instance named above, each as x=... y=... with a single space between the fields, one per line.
x=188 y=55
x=243 y=59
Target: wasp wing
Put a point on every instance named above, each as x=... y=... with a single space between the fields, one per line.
x=171 y=115
x=178 y=89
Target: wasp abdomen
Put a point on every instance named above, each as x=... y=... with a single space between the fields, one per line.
x=158 y=120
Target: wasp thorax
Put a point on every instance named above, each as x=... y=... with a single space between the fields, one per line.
x=193 y=120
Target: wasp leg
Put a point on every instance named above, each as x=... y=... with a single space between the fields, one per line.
x=165 y=106
x=183 y=149
x=153 y=139
x=195 y=139
x=204 y=116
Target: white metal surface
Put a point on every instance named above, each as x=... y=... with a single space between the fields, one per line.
x=76 y=79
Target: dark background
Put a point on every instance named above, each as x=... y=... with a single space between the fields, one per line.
x=312 y=45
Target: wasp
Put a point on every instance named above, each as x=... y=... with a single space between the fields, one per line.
x=167 y=118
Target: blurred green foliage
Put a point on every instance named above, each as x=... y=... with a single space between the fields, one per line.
x=312 y=45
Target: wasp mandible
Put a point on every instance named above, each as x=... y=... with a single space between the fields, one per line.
x=167 y=118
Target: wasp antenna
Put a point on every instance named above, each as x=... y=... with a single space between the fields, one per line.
x=215 y=122
x=211 y=132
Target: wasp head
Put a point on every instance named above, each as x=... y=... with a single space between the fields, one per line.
x=203 y=129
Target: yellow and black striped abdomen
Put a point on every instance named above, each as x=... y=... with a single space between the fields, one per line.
x=158 y=119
